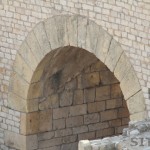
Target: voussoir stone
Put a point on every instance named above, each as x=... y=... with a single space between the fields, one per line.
x=42 y=38
x=113 y=55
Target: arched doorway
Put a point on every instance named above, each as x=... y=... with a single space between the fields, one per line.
x=86 y=88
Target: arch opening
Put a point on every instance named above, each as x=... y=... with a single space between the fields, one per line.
x=75 y=97
x=48 y=40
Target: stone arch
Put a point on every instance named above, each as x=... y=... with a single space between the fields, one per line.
x=60 y=31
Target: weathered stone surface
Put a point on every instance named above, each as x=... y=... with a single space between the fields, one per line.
x=82 y=23
x=96 y=107
x=98 y=66
x=29 y=123
x=91 y=118
x=50 y=143
x=60 y=113
x=34 y=46
x=136 y=103
x=66 y=98
x=50 y=102
x=102 y=93
x=122 y=67
x=58 y=35
x=27 y=55
x=116 y=91
x=78 y=97
x=114 y=53
x=17 y=103
x=59 y=124
x=69 y=139
x=78 y=110
x=90 y=80
x=74 y=121
x=63 y=132
x=91 y=36
x=22 y=142
x=45 y=120
x=71 y=146
x=35 y=90
x=32 y=105
x=107 y=78
x=98 y=126
x=23 y=69
x=103 y=43
x=113 y=103
x=72 y=30
x=42 y=38
x=130 y=80
x=89 y=95
x=80 y=129
x=46 y=136
x=89 y=136
x=19 y=86
x=108 y=115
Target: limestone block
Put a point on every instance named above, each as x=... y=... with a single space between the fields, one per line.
x=74 y=121
x=31 y=142
x=136 y=103
x=78 y=97
x=80 y=129
x=16 y=102
x=122 y=67
x=35 y=90
x=29 y=123
x=21 y=142
x=72 y=30
x=138 y=116
x=113 y=103
x=22 y=68
x=32 y=105
x=69 y=139
x=98 y=66
x=28 y=56
x=56 y=29
x=19 y=86
x=116 y=91
x=37 y=76
x=98 y=126
x=63 y=132
x=107 y=77
x=92 y=36
x=88 y=136
x=34 y=46
x=66 y=98
x=114 y=53
x=42 y=38
x=123 y=112
x=89 y=95
x=90 y=79
x=46 y=136
x=96 y=107
x=130 y=84
x=59 y=113
x=70 y=146
x=78 y=110
x=84 y=145
x=108 y=115
x=50 y=143
x=45 y=123
x=59 y=124
x=82 y=29
x=103 y=43
x=50 y=102
x=102 y=93
x=105 y=132
x=91 y=118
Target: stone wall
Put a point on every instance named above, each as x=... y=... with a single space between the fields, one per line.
x=128 y=22
x=88 y=106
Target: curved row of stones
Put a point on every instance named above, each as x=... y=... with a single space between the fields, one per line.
x=136 y=137
x=76 y=31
